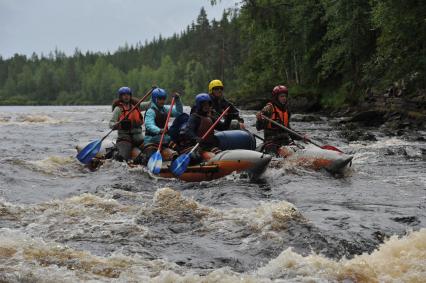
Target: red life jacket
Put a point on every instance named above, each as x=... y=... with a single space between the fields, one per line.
x=135 y=116
x=279 y=116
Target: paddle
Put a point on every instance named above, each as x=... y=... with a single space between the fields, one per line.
x=256 y=136
x=328 y=147
x=180 y=164
x=156 y=160
x=89 y=151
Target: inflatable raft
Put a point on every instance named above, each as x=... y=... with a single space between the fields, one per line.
x=311 y=156
x=224 y=163
x=302 y=154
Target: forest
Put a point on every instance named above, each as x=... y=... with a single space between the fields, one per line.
x=336 y=51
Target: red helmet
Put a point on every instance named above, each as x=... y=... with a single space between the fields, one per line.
x=279 y=89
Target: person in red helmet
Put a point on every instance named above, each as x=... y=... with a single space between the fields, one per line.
x=277 y=110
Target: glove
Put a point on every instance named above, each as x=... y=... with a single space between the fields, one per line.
x=305 y=138
x=176 y=95
x=259 y=116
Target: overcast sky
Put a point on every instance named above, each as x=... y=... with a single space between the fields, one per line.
x=28 y=26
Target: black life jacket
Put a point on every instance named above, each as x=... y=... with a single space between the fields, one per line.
x=160 y=120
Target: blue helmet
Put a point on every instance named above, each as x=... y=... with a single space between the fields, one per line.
x=200 y=98
x=158 y=93
x=124 y=90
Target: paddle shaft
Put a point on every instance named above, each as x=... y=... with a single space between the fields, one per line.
x=257 y=136
x=167 y=123
x=210 y=129
x=290 y=131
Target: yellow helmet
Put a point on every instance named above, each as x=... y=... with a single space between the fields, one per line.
x=215 y=83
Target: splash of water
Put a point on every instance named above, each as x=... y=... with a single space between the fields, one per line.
x=25 y=119
x=52 y=165
x=397 y=260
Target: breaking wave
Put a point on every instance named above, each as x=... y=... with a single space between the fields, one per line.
x=30 y=259
x=30 y=119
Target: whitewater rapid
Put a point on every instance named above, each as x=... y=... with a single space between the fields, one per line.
x=60 y=222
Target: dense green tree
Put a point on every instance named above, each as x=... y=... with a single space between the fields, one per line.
x=47 y=83
x=196 y=78
x=101 y=82
x=332 y=50
x=401 y=44
x=348 y=43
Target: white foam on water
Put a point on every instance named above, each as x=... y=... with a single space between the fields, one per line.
x=33 y=260
x=267 y=216
x=30 y=119
x=9 y=211
x=397 y=260
x=25 y=258
x=383 y=143
x=33 y=253
x=63 y=166
x=83 y=217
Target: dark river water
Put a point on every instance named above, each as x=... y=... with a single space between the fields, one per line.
x=59 y=222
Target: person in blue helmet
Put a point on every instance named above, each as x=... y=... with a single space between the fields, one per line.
x=155 y=119
x=129 y=130
x=198 y=123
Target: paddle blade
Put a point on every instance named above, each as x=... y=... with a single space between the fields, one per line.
x=180 y=164
x=155 y=162
x=89 y=151
x=330 y=147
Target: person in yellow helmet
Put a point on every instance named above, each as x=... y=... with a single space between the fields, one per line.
x=219 y=104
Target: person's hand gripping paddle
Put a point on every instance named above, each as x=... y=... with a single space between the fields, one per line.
x=156 y=160
x=328 y=147
x=86 y=155
x=180 y=164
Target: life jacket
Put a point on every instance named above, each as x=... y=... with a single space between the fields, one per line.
x=160 y=120
x=179 y=123
x=205 y=124
x=134 y=119
x=279 y=116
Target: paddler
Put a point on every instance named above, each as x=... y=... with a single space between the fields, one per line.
x=277 y=110
x=198 y=123
x=233 y=120
x=130 y=129
x=155 y=119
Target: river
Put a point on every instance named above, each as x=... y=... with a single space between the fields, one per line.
x=59 y=222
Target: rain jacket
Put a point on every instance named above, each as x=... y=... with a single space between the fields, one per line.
x=152 y=133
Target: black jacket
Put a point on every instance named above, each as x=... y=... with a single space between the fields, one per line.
x=219 y=105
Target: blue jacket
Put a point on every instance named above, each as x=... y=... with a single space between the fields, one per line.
x=152 y=127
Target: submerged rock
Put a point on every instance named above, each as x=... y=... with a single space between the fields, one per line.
x=413 y=152
x=369 y=118
x=357 y=135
